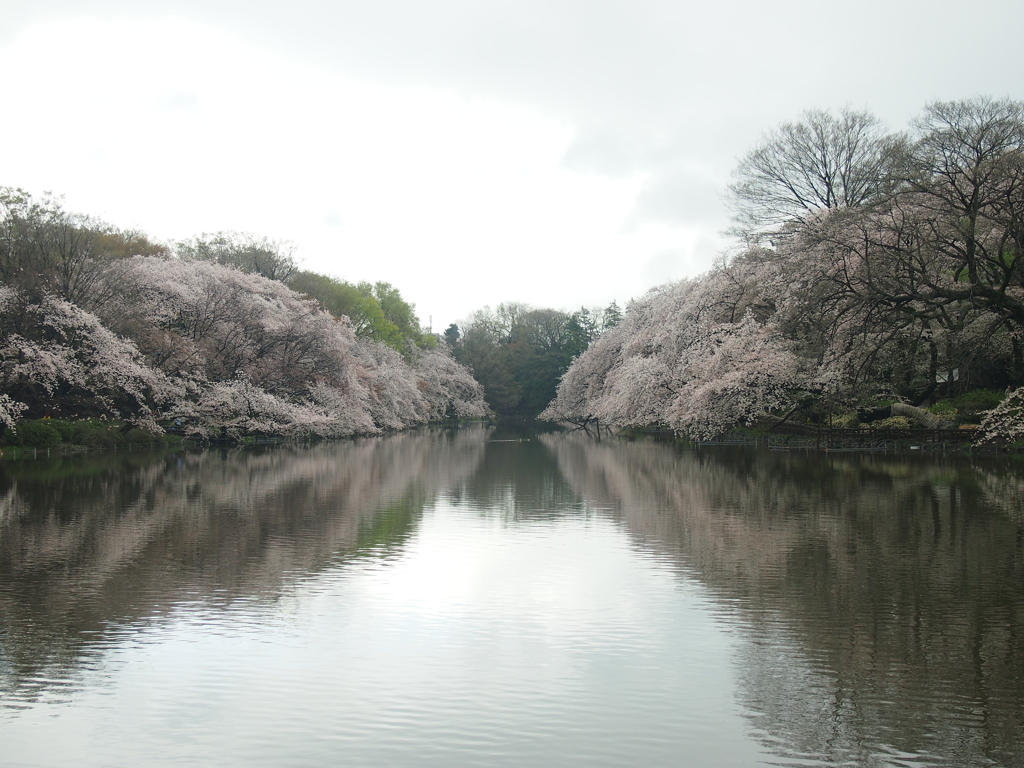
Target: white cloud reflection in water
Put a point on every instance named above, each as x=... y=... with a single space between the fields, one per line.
x=436 y=598
x=482 y=642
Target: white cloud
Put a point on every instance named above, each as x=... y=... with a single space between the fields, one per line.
x=467 y=152
x=178 y=128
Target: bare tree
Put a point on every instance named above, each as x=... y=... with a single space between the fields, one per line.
x=272 y=259
x=45 y=249
x=951 y=238
x=820 y=162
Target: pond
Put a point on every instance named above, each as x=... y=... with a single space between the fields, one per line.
x=462 y=598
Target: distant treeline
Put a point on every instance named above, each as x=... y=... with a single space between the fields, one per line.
x=217 y=336
x=519 y=353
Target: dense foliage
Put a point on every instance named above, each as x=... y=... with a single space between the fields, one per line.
x=95 y=323
x=377 y=311
x=876 y=268
x=518 y=353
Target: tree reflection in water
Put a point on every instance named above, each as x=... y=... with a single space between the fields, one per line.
x=91 y=545
x=881 y=598
x=877 y=602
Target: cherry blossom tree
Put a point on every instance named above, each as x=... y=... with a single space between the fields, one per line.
x=10 y=412
x=735 y=374
x=583 y=383
x=922 y=287
x=252 y=355
x=894 y=272
x=57 y=358
x=692 y=356
x=448 y=388
x=95 y=321
x=209 y=322
x=239 y=407
x=393 y=397
x=1005 y=422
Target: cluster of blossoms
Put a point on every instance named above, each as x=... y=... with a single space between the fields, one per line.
x=215 y=350
x=687 y=356
x=875 y=268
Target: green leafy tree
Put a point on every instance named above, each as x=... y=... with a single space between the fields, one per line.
x=377 y=310
x=481 y=351
x=519 y=353
x=341 y=298
x=401 y=313
x=452 y=335
x=611 y=316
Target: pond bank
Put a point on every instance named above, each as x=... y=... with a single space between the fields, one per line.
x=802 y=438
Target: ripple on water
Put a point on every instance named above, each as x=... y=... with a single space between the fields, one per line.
x=615 y=605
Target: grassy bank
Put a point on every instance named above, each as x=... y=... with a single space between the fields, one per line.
x=59 y=436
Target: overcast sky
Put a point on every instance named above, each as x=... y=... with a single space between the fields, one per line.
x=559 y=153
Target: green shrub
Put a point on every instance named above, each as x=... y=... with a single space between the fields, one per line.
x=893 y=422
x=881 y=402
x=846 y=421
x=973 y=404
x=945 y=410
x=89 y=433
x=138 y=436
x=38 y=434
x=66 y=429
x=94 y=433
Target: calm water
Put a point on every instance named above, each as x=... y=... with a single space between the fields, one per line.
x=443 y=599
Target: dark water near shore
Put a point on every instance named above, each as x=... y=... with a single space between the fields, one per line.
x=442 y=599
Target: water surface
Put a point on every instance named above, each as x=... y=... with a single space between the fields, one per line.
x=444 y=599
